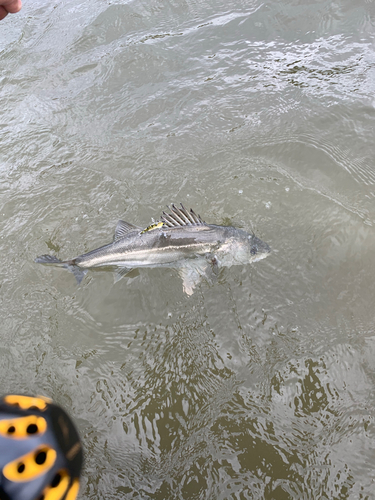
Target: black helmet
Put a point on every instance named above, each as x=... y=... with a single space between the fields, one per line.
x=40 y=450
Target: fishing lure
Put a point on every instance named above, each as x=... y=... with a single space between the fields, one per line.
x=40 y=450
x=153 y=226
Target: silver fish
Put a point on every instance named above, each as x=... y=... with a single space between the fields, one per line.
x=180 y=239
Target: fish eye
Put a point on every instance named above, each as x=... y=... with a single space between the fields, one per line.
x=254 y=250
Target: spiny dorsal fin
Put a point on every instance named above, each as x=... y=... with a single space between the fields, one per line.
x=181 y=217
x=123 y=228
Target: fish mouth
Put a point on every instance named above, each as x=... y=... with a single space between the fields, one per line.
x=259 y=249
x=260 y=256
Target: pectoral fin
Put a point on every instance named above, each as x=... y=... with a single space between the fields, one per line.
x=192 y=273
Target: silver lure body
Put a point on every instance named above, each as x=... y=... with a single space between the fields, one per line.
x=181 y=240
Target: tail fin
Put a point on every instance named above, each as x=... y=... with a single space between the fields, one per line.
x=79 y=274
x=51 y=260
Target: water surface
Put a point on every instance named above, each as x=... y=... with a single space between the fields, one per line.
x=255 y=114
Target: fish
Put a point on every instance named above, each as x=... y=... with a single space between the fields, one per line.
x=180 y=239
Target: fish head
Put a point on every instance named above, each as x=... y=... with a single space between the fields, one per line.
x=240 y=247
x=259 y=249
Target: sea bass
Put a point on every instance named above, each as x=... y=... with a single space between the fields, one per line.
x=180 y=239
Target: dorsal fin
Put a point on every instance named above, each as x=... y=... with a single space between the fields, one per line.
x=123 y=228
x=181 y=217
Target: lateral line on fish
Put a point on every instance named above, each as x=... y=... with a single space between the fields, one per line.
x=151 y=250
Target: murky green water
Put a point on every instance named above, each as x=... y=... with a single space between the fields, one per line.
x=256 y=114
